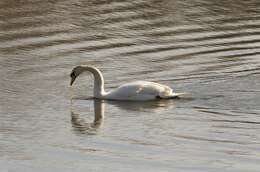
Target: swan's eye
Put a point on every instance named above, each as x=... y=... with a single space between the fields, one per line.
x=72 y=75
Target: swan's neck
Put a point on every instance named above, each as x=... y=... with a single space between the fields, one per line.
x=99 y=91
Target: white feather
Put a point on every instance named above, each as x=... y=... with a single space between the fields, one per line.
x=140 y=90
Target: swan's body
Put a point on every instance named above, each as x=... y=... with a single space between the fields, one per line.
x=141 y=90
x=134 y=91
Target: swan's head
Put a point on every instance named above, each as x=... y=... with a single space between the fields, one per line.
x=79 y=69
x=75 y=73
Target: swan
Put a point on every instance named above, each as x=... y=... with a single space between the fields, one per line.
x=133 y=91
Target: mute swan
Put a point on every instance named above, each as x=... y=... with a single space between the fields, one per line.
x=134 y=91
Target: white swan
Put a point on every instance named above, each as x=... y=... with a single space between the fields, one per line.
x=134 y=91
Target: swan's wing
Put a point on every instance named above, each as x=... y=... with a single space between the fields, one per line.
x=154 y=89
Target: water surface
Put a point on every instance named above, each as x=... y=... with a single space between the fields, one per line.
x=206 y=48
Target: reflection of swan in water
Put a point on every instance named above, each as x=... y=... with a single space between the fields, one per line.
x=149 y=106
x=134 y=91
x=82 y=126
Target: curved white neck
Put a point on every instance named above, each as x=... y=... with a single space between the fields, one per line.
x=99 y=91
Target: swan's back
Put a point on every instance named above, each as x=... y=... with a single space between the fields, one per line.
x=140 y=90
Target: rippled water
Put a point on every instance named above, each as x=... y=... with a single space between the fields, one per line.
x=210 y=49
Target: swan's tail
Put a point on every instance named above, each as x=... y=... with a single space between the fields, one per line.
x=174 y=95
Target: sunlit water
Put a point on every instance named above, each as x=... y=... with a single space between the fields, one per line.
x=210 y=49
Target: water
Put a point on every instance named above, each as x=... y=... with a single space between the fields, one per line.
x=210 y=49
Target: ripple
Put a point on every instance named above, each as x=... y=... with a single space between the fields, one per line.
x=209 y=49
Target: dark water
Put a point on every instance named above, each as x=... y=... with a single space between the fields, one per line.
x=210 y=49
